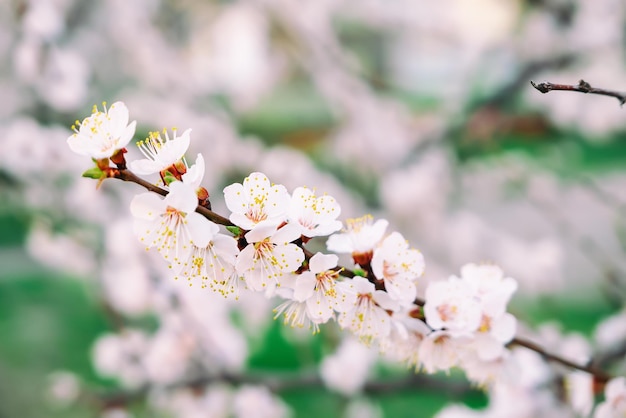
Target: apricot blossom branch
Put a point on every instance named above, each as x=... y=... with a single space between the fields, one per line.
x=461 y=322
x=600 y=375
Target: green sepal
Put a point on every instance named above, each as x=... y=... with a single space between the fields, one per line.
x=359 y=272
x=94 y=173
x=168 y=178
x=235 y=230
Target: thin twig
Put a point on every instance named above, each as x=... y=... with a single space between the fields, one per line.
x=498 y=98
x=127 y=175
x=597 y=373
x=581 y=87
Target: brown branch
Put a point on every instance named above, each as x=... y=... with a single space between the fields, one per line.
x=591 y=369
x=581 y=87
x=127 y=175
x=600 y=375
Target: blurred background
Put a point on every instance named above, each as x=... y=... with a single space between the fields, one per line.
x=420 y=112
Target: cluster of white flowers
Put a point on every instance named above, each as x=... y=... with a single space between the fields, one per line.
x=473 y=327
x=60 y=53
x=463 y=321
x=263 y=252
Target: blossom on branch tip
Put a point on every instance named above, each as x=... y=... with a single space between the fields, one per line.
x=170 y=224
x=103 y=133
x=315 y=216
x=256 y=201
x=161 y=153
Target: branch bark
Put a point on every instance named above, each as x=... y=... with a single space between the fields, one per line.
x=127 y=175
x=581 y=87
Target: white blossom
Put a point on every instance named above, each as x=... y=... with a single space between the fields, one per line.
x=212 y=260
x=440 y=351
x=315 y=216
x=318 y=287
x=451 y=304
x=160 y=152
x=103 y=133
x=194 y=174
x=256 y=201
x=359 y=238
x=491 y=287
x=366 y=315
x=269 y=256
x=403 y=342
x=492 y=335
x=171 y=224
x=294 y=312
x=398 y=266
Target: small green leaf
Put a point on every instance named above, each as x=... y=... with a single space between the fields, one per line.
x=359 y=272
x=94 y=173
x=169 y=178
x=235 y=230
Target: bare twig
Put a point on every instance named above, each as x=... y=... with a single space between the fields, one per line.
x=581 y=87
x=498 y=98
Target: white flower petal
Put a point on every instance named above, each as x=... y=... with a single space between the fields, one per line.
x=305 y=284
x=182 y=197
x=322 y=262
x=147 y=206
